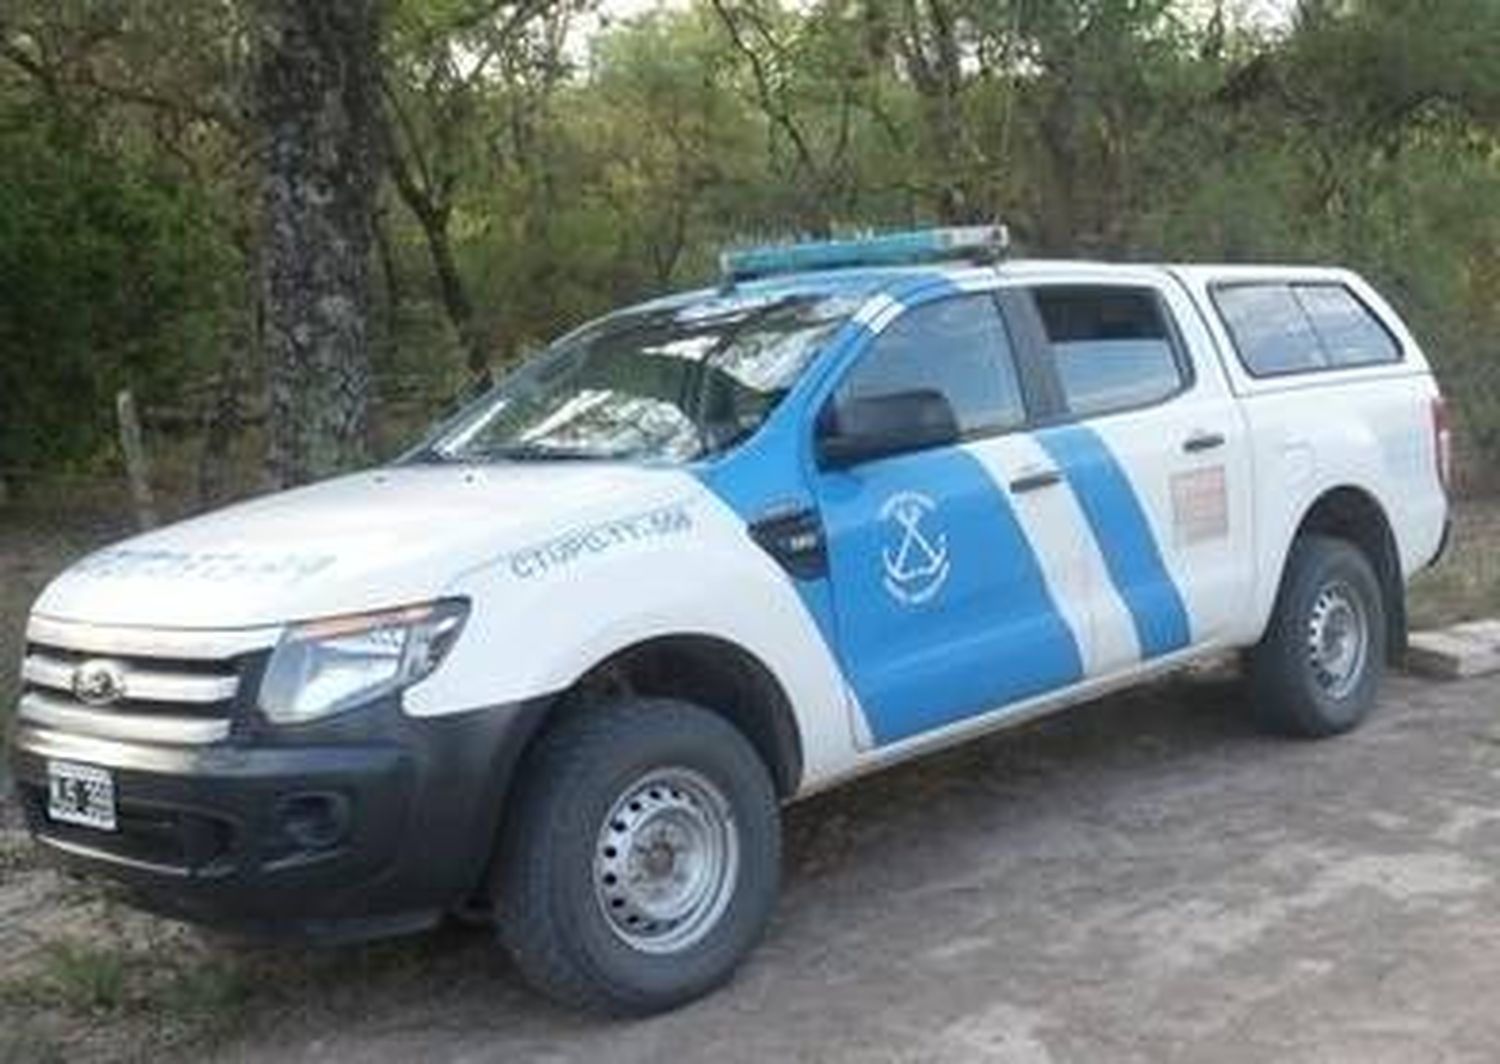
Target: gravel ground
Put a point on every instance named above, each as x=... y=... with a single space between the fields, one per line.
x=1146 y=879
x=1143 y=879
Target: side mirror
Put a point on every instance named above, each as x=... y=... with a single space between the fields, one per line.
x=864 y=429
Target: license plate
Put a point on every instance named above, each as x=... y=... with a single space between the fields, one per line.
x=81 y=794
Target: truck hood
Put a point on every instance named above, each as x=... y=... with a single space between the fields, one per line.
x=367 y=541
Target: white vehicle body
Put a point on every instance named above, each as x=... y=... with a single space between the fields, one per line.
x=1131 y=541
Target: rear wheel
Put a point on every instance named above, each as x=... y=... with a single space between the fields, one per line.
x=643 y=859
x=1318 y=669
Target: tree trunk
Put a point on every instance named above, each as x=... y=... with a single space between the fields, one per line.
x=317 y=105
x=1060 y=193
x=222 y=423
x=455 y=296
x=390 y=275
x=432 y=212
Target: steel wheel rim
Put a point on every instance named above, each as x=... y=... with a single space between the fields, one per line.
x=1338 y=639
x=666 y=861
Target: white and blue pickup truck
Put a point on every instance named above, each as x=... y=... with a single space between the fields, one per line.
x=563 y=663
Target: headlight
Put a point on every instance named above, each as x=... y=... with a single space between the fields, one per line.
x=323 y=667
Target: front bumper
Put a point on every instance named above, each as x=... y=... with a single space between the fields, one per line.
x=367 y=823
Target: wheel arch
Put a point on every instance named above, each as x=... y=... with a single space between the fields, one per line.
x=714 y=673
x=710 y=671
x=1356 y=516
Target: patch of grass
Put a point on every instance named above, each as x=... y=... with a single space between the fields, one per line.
x=74 y=977
x=217 y=988
x=86 y=977
x=123 y=985
x=1466 y=584
x=16 y=854
x=109 y=997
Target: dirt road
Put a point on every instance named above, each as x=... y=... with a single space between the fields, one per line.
x=1143 y=880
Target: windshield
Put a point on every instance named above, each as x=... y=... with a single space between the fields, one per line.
x=666 y=384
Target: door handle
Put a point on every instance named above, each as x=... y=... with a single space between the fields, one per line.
x=1203 y=441
x=1043 y=478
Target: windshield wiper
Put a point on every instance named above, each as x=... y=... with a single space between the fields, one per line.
x=531 y=452
x=430 y=456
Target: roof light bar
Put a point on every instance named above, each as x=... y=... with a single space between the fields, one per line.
x=981 y=243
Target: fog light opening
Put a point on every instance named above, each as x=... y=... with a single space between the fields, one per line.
x=315 y=821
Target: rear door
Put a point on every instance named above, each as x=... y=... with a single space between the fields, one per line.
x=955 y=569
x=1155 y=454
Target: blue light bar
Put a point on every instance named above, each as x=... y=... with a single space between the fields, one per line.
x=983 y=243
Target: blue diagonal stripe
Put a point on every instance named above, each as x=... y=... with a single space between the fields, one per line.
x=1124 y=535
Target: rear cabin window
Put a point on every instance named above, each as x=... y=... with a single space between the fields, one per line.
x=1112 y=348
x=1300 y=328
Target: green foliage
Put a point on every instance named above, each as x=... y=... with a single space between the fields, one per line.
x=85 y=978
x=546 y=165
x=110 y=276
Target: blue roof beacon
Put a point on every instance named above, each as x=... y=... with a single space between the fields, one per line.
x=977 y=243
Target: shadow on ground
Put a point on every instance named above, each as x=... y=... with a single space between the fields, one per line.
x=1145 y=878
x=1142 y=879
x=165 y=982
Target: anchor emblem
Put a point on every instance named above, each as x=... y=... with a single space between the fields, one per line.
x=916 y=564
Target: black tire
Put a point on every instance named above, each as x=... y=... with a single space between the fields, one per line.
x=550 y=890
x=1294 y=692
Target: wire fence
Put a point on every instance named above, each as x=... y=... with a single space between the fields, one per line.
x=208 y=446
x=197 y=462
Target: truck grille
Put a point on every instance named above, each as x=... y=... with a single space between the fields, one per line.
x=137 y=684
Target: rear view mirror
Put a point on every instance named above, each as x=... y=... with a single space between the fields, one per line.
x=859 y=430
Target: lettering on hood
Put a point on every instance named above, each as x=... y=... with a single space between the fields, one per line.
x=569 y=547
x=208 y=566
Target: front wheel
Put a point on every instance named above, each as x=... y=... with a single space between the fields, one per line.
x=1317 y=670
x=643 y=859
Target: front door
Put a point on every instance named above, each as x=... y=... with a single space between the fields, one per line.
x=955 y=569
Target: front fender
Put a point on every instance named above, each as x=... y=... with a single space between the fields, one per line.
x=541 y=621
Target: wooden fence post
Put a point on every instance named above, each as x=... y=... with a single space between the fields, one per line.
x=137 y=468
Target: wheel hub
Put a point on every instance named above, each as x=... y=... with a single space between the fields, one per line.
x=1337 y=639
x=666 y=861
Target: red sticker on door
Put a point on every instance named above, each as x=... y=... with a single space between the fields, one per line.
x=1200 y=506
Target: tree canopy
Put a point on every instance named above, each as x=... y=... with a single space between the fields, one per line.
x=542 y=163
